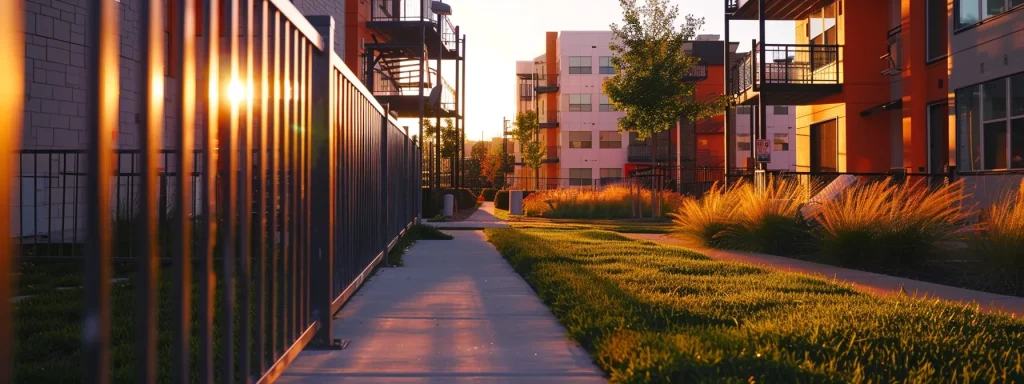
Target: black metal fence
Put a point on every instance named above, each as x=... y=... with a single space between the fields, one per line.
x=287 y=185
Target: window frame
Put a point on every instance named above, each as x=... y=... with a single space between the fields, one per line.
x=605 y=69
x=602 y=142
x=775 y=142
x=739 y=143
x=930 y=57
x=619 y=173
x=588 y=144
x=605 y=107
x=1007 y=121
x=581 y=69
x=581 y=106
x=581 y=181
x=959 y=26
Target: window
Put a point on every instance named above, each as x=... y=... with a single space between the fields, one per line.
x=581 y=177
x=580 y=103
x=781 y=142
x=936 y=27
x=580 y=65
x=610 y=139
x=743 y=142
x=611 y=173
x=780 y=110
x=606 y=104
x=743 y=110
x=581 y=139
x=970 y=12
x=990 y=124
x=605 y=65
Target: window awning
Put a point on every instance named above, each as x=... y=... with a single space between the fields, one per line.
x=890 y=106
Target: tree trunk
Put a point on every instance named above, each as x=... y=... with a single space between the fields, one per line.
x=655 y=180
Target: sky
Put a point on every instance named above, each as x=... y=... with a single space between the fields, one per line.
x=498 y=33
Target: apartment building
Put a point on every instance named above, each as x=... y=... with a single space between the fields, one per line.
x=986 y=82
x=579 y=125
x=930 y=87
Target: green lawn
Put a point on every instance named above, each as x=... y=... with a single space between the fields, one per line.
x=649 y=313
x=620 y=225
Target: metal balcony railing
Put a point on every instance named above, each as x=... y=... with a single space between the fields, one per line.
x=792 y=64
x=412 y=10
x=546 y=83
x=406 y=83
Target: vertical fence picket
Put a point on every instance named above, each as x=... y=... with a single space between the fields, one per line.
x=276 y=190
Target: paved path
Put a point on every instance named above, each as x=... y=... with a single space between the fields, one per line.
x=482 y=218
x=864 y=281
x=456 y=313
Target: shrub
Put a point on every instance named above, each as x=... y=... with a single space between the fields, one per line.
x=613 y=202
x=488 y=194
x=889 y=224
x=1000 y=241
x=705 y=222
x=768 y=219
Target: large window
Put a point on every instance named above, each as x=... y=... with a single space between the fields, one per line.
x=611 y=173
x=606 y=104
x=581 y=65
x=781 y=142
x=605 y=65
x=970 y=12
x=580 y=102
x=581 y=139
x=937 y=37
x=743 y=142
x=581 y=177
x=990 y=125
x=611 y=139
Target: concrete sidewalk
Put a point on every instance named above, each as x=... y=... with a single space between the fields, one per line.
x=456 y=312
x=863 y=281
x=482 y=218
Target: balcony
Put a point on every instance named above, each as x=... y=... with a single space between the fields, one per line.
x=642 y=153
x=551 y=154
x=774 y=9
x=697 y=73
x=399 y=22
x=550 y=120
x=546 y=83
x=795 y=74
x=400 y=90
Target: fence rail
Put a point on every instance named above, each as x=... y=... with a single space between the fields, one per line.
x=287 y=184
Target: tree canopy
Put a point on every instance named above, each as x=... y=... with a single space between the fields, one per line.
x=651 y=67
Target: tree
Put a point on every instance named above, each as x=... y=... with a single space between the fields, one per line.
x=449 y=138
x=494 y=164
x=649 y=83
x=477 y=163
x=526 y=131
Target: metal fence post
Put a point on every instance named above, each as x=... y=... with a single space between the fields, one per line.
x=385 y=202
x=323 y=197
